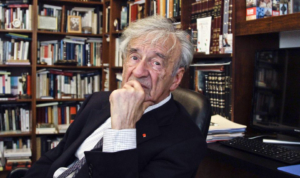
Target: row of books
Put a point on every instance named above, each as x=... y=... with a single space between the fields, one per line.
x=13 y=86
x=14 y=51
x=268 y=8
x=56 y=113
x=71 y=19
x=15 y=118
x=82 y=51
x=166 y=8
x=211 y=26
x=45 y=143
x=15 y=152
x=58 y=84
x=15 y=16
x=215 y=83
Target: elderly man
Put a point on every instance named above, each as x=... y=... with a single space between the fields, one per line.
x=138 y=130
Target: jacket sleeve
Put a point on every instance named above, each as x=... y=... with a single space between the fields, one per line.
x=177 y=161
x=41 y=167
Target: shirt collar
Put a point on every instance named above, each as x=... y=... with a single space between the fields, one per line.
x=150 y=108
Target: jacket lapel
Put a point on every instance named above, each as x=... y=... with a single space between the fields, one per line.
x=148 y=126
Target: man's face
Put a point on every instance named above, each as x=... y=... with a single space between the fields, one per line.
x=152 y=66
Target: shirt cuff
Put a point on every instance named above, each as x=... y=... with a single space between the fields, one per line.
x=119 y=140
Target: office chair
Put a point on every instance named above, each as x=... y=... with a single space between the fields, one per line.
x=17 y=173
x=197 y=105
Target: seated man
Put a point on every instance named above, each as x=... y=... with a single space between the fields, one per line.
x=144 y=132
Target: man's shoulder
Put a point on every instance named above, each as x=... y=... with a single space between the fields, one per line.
x=98 y=98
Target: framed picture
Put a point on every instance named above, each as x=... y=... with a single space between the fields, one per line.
x=47 y=22
x=74 y=24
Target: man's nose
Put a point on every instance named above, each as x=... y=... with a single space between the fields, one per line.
x=141 y=69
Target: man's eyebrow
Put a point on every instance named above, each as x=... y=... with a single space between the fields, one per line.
x=133 y=50
x=161 y=55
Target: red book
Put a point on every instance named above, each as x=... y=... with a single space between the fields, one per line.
x=134 y=12
x=28 y=85
x=59 y=115
x=17 y=5
x=69 y=74
x=73 y=111
x=46 y=51
x=158 y=7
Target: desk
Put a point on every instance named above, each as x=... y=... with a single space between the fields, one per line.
x=222 y=162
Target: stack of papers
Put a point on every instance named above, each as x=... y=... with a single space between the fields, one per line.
x=223 y=129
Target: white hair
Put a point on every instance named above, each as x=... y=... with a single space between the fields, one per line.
x=160 y=28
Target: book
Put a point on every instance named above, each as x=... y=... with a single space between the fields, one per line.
x=11 y=153
x=220 y=124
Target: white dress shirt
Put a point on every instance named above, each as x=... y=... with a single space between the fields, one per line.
x=113 y=140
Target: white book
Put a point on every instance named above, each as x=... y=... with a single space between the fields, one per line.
x=117 y=42
x=67 y=115
x=22 y=116
x=47 y=104
x=17 y=153
x=26 y=49
x=30 y=17
x=76 y=38
x=37 y=86
x=52 y=7
x=21 y=54
x=83 y=9
x=72 y=41
x=44 y=43
x=13 y=119
x=27 y=123
x=51 y=130
x=82 y=88
x=62 y=84
x=94 y=26
x=15 y=50
x=86 y=85
x=58 y=86
x=27 y=19
x=7 y=85
x=78 y=86
x=20 y=86
x=55 y=115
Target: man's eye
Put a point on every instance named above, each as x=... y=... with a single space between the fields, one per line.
x=134 y=57
x=156 y=63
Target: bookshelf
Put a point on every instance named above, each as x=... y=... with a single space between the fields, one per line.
x=32 y=69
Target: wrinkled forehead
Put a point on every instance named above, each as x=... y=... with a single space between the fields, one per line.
x=166 y=43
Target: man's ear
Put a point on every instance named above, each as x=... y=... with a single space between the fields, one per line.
x=177 y=78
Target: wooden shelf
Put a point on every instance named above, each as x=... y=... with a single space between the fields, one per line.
x=15 y=31
x=58 y=100
x=117 y=32
x=117 y=68
x=14 y=134
x=268 y=25
x=69 y=67
x=208 y=56
x=71 y=34
x=15 y=66
x=73 y=2
x=16 y=101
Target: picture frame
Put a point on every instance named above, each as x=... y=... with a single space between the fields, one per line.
x=74 y=24
x=47 y=22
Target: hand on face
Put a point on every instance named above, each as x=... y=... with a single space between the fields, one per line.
x=127 y=105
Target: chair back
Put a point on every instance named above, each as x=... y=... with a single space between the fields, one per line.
x=17 y=173
x=197 y=105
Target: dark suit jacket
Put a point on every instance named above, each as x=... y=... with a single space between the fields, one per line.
x=173 y=146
